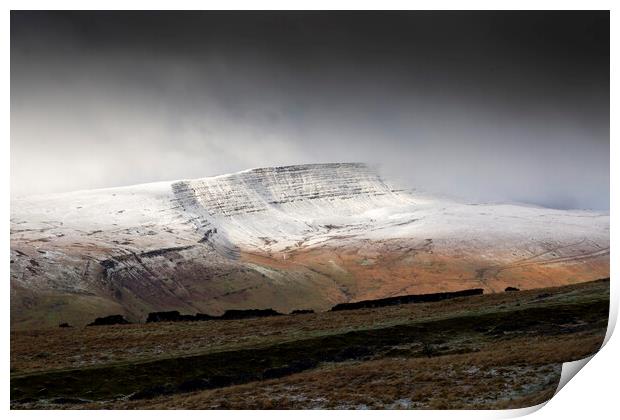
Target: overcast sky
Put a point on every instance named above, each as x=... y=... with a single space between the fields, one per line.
x=510 y=106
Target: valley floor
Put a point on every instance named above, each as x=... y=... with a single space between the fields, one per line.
x=500 y=350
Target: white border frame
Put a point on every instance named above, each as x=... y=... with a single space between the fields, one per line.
x=592 y=394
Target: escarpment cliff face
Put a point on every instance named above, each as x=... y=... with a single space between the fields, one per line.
x=307 y=236
x=279 y=209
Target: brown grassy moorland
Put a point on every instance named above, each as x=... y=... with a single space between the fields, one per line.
x=494 y=351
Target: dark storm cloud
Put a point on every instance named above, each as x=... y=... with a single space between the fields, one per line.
x=488 y=106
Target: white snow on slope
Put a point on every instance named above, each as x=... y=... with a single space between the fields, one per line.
x=277 y=209
x=282 y=237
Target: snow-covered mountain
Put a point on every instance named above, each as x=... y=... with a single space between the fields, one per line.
x=305 y=236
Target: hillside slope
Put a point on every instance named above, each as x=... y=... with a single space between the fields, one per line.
x=305 y=236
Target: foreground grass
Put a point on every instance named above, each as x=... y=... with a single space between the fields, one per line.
x=490 y=351
x=514 y=373
x=70 y=348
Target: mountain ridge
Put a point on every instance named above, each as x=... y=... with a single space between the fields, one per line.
x=284 y=237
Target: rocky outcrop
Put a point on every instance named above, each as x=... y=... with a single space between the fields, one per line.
x=175 y=316
x=400 y=300
x=109 y=320
x=248 y=313
x=302 y=311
